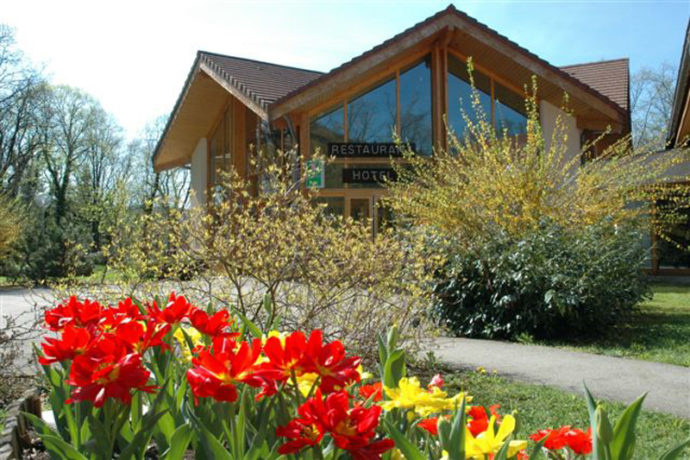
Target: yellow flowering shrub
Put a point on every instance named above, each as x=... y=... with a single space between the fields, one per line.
x=279 y=260
x=488 y=182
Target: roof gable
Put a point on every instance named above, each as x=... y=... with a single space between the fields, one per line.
x=262 y=82
x=453 y=21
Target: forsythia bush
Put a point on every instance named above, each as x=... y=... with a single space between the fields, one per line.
x=278 y=248
x=170 y=381
x=516 y=212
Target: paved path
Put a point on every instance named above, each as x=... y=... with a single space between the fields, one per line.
x=607 y=377
x=19 y=306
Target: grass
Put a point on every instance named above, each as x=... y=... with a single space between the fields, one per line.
x=546 y=407
x=658 y=332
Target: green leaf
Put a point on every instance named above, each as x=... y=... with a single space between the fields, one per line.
x=623 y=443
x=394 y=369
x=536 y=451
x=597 y=448
x=138 y=446
x=213 y=448
x=675 y=451
x=502 y=453
x=454 y=442
x=60 y=448
x=383 y=354
x=41 y=425
x=409 y=450
x=179 y=442
x=253 y=328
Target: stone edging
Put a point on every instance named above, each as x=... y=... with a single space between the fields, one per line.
x=15 y=437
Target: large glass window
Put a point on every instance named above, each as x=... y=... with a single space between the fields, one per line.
x=511 y=115
x=460 y=97
x=415 y=106
x=327 y=128
x=220 y=149
x=371 y=117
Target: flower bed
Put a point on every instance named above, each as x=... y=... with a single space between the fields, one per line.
x=137 y=380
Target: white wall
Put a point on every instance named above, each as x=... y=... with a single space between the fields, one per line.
x=199 y=173
x=549 y=113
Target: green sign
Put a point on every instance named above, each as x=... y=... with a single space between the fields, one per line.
x=316 y=174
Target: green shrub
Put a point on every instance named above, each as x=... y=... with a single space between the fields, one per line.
x=551 y=282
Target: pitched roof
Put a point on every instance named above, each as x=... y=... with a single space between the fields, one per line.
x=263 y=82
x=452 y=11
x=610 y=78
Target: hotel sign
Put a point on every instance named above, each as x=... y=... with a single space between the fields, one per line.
x=368 y=175
x=366 y=149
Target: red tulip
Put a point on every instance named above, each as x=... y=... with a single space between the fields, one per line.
x=302 y=434
x=429 y=424
x=330 y=362
x=577 y=440
x=211 y=325
x=139 y=336
x=175 y=311
x=218 y=370
x=107 y=370
x=352 y=429
x=375 y=390
x=74 y=313
x=73 y=342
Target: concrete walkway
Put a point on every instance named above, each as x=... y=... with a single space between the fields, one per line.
x=607 y=377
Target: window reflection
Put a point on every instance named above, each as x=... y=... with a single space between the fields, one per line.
x=510 y=115
x=415 y=106
x=326 y=128
x=460 y=96
x=371 y=117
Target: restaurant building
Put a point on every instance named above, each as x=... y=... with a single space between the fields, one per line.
x=407 y=85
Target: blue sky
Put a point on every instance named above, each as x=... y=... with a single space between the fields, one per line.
x=134 y=55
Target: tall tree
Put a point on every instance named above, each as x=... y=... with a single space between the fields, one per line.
x=21 y=90
x=651 y=100
x=102 y=171
x=169 y=188
x=68 y=119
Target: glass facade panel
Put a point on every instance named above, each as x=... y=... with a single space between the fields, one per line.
x=460 y=96
x=220 y=150
x=673 y=250
x=335 y=206
x=511 y=115
x=415 y=107
x=327 y=128
x=371 y=117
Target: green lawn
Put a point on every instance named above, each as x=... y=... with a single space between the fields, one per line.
x=546 y=407
x=660 y=331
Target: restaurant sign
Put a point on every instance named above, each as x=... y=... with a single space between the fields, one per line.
x=366 y=149
x=368 y=175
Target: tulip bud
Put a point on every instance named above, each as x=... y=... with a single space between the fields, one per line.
x=436 y=381
x=604 y=429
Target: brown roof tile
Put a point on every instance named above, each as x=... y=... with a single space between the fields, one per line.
x=610 y=78
x=263 y=82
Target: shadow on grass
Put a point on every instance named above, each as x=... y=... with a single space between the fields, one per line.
x=659 y=331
